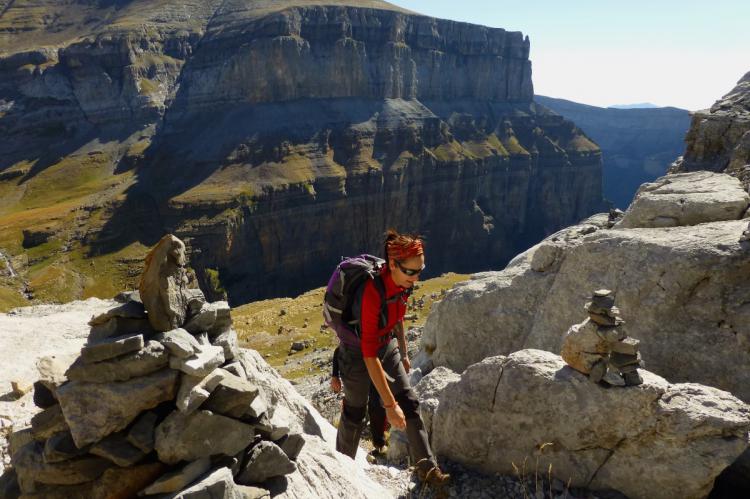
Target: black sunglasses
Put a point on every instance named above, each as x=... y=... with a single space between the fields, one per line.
x=409 y=272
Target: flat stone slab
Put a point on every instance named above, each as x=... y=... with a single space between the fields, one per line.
x=112 y=347
x=141 y=434
x=94 y=410
x=178 y=480
x=206 y=359
x=232 y=397
x=229 y=342
x=265 y=460
x=686 y=199
x=194 y=390
x=188 y=437
x=145 y=361
x=179 y=342
x=128 y=310
x=217 y=484
x=31 y=467
x=117 y=449
x=60 y=447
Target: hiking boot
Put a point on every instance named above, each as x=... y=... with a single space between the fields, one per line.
x=435 y=479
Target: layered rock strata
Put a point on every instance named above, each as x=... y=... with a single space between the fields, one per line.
x=682 y=288
x=530 y=411
x=274 y=137
x=719 y=137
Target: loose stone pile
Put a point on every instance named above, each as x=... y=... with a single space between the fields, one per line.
x=157 y=403
x=600 y=347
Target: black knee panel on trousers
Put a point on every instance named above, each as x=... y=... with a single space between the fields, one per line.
x=354 y=414
x=409 y=403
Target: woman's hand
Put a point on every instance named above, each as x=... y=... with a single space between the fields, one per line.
x=407 y=364
x=396 y=417
x=336 y=384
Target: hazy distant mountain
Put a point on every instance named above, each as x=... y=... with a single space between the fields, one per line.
x=637 y=145
x=639 y=105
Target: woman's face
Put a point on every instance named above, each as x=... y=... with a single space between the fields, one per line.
x=400 y=270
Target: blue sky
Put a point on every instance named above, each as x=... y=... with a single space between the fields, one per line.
x=671 y=53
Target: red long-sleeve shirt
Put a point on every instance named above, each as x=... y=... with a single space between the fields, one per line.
x=372 y=336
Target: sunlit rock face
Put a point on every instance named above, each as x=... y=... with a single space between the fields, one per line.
x=274 y=137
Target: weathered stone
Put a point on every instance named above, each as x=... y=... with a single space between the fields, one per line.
x=686 y=199
x=115 y=483
x=18 y=439
x=19 y=387
x=52 y=370
x=196 y=299
x=179 y=479
x=611 y=335
x=624 y=359
x=179 y=342
x=9 y=488
x=47 y=423
x=195 y=390
x=236 y=369
x=546 y=257
x=213 y=318
x=31 y=468
x=94 y=410
x=44 y=397
x=626 y=346
x=118 y=326
x=199 y=434
x=60 y=447
x=232 y=397
x=582 y=346
x=250 y=492
x=141 y=434
x=257 y=407
x=644 y=441
x=128 y=310
x=206 y=359
x=145 y=361
x=292 y=445
x=163 y=285
x=265 y=460
x=116 y=448
x=126 y=296
x=228 y=341
x=111 y=347
x=280 y=423
x=605 y=320
x=217 y=484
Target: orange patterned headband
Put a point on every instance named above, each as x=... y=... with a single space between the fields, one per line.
x=402 y=252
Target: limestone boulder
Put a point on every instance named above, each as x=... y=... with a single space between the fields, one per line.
x=163 y=286
x=686 y=199
x=94 y=410
x=150 y=358
x=655 y=440
x=681 y=290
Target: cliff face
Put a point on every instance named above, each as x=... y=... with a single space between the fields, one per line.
x=638 y=145
x=719 y=137
x=275 y=137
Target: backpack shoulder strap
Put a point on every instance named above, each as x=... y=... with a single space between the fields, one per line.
x=380 y=286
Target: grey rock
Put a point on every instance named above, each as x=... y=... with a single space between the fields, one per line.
x=644 y=441
x=232 y=397
x=48 y=422
x=264 y=461
x=117 y=449
x=179 y=479
x=236 y=369
x=199 y=434
x=228 y=341
x=292 y=445
x=44 y=397
x=31 y=468
x=206 y=359
x=163 y=285
x=195 y=390
x=128 y=310
x=217 y=484
x=111 y=347
x=118 y=326
x=195 y=301
x=179 y=342
x=149 y=359
x=126 y=296
x=213 y=318
x=686 y=199
x=60 y=447
x=249 y=492
x=141 y=434
x=94 y=410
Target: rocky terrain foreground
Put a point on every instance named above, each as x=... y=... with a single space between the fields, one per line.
x=254 y=128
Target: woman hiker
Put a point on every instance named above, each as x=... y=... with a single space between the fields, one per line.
x=383 y=360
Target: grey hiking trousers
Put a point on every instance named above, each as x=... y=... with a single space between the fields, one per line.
x=356 y=381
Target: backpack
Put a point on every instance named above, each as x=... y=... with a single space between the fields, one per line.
x=342 y=304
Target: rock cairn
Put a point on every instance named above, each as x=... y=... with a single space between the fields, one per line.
x=157 y=403
x=600 y=347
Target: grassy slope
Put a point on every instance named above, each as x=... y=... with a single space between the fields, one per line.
x=270 y=326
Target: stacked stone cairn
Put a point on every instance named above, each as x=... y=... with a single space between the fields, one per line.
x=600 y=347
x=157 y=403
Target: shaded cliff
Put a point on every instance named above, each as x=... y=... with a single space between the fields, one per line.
x=273 y=137
x=638 y=145
x=719 y=137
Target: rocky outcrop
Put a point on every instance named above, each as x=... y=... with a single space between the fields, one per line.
x=638 y=145
x=682 y=291
x=253 y=129
x=719 y=137
x=530 y=411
